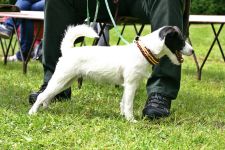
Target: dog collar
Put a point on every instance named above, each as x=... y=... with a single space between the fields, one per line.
x=147 y=53
x=179 y=57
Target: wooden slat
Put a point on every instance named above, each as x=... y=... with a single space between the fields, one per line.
x=36 y=15
x=202 y=19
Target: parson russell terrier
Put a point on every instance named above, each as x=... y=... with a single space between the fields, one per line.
x=121 y=65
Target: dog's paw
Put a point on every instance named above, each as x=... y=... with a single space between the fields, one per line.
x=122 y=113
x=45 y=105
x=32 y=111
x=132 y=120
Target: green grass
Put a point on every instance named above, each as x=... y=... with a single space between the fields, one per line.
x=91 y=120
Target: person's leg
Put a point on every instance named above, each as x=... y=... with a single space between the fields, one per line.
x=58 y=15
x=63 y=13
x=9 y=22
x=38 y=5
x=27 y=26
x=26 y=38
x=166 y=76
x=164 y=83
x=23 y=5
x=6 y=30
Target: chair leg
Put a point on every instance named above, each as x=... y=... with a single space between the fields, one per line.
x=140 y=30
x=13 y=46
x=100 y=33
x=7 y=49
x=124 y=26
x=2 y=46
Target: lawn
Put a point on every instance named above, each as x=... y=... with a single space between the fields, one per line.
x=91 y=119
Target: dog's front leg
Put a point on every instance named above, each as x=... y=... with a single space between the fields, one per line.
x=122 y=106
x=127 y=101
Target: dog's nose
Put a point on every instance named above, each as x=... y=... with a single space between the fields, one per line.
x=192 y=51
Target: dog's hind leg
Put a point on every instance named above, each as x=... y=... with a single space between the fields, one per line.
x=42 y=97
x=56 y=85
x=127 y=101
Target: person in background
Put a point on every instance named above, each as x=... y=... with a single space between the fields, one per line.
x=26 y=27
x=164 y=83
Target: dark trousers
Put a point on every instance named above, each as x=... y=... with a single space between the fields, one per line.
x=166 y=76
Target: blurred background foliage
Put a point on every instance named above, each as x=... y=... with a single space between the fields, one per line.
x=209 y=7
x=7 y=1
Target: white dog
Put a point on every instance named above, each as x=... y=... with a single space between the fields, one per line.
x=121 y=65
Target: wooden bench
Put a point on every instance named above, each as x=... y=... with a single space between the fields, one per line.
x=37 y=16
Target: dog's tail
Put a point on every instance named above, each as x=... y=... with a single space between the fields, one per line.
x=74 y=32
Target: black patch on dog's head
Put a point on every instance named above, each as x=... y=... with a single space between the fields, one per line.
x=174 y=39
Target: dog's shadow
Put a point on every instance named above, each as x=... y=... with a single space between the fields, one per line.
x=93 y=108
x=82 y=110
x=90 y=104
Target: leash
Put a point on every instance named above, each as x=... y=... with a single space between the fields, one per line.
x=113 y=22
x=96 y=12
x=110 y=15
x=149 y=56
x=88 y=14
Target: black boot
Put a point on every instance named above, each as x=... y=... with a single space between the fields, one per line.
x=157 y=106
x=64 y=95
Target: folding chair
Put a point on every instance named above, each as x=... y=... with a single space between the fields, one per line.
x=7 y=44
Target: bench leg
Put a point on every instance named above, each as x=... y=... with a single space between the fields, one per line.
x=217 y=40
x=212 y=45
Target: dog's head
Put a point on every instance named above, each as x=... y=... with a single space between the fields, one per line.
x=168 y=41
x=175 y=44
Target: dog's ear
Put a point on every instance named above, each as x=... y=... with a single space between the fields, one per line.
x=173 y=38
x=165 y=31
